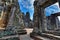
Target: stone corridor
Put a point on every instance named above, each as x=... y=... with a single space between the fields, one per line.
x=15 y=25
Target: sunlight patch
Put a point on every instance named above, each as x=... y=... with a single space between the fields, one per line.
x=59 y=18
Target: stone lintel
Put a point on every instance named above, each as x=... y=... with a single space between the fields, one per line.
x=56 y=14
x=48 y=3
x=59 y=2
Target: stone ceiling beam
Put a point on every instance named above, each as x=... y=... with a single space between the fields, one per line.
x=59 y=2
x=57 y=14
x=48 y=3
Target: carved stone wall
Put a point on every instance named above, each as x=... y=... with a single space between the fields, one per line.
x=6 y=12
x=40 y=20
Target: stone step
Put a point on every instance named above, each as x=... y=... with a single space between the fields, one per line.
x=7 y=37
x=37 y=37
x=25 y=37
x=40 y=38
x=53 y=32
x=51 y=36
x=21 y=32
x=7 y=34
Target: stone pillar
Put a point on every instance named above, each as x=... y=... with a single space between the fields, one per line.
x=57 y=22
x=27 y=20
x=40 y=22
x=53 y=22
x=40 y=19
x=36 y=19
x=43 y=20
x=11 y=19
x=48 y=22
x=21 y=20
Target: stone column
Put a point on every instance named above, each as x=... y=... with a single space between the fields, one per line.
x=36 y=19
x=40 y=19
x=53 y=22
x=57 y=22
x=11 y=19
x=40 y=23
x=43 y=20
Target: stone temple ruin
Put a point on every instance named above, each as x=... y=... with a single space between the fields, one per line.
x=53 y=21
x=39 y=6
x=11 y=19
x=9 y=9
x=41 y=22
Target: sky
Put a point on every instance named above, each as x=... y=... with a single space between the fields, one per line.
x=27 y=6
x=52 y=9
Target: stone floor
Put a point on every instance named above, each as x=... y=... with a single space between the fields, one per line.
x=21 y=37
x=27 y=36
